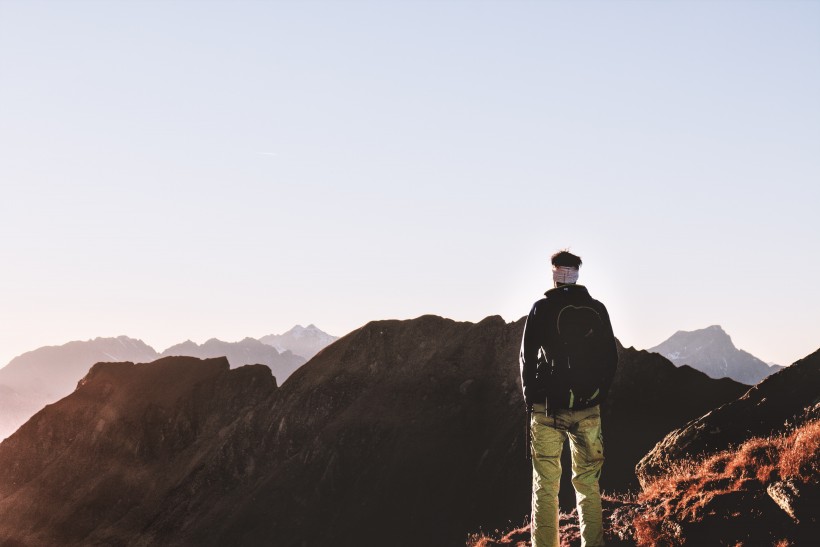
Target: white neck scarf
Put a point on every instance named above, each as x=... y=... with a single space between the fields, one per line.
x=564 y=274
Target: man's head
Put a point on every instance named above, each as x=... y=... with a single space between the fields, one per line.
x=565 y=267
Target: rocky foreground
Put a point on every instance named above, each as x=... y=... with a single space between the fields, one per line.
x=745 y=474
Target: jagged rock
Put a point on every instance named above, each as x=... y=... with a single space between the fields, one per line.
x=784 y=494
x=799 y=500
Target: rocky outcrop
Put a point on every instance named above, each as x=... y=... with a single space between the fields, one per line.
x=764 y=409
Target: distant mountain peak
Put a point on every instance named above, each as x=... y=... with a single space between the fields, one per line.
x=711 y=350
x=303 y=341
x=245 y=352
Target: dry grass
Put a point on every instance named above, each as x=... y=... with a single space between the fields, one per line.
x=799 y=458
x=617 y=518
x=684 y=493
x=687 y=488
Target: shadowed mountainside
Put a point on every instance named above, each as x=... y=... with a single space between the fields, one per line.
x=649 y=395
x=42 y=376
x=764 y=409
x=94 y=467
x=406 y=432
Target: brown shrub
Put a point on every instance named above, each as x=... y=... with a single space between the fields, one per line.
x=800 y=457
x=681 y=495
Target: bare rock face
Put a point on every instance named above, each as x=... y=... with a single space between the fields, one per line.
x=764 y=409
x=799 y=500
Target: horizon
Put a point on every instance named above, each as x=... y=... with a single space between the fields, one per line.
x=161 y=348
x=181 y=170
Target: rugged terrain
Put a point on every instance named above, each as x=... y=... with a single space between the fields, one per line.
x=745 y=474
x=420 y=418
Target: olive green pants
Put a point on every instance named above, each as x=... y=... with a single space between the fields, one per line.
x=583 y=428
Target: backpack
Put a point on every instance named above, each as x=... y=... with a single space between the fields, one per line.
x=579 y=358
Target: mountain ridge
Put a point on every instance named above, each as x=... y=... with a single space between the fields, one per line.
x=44 y=375
x=421 y=417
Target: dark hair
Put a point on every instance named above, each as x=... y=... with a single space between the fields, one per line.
x=566 y=258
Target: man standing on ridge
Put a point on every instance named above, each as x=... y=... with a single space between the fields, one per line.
x=568 y=359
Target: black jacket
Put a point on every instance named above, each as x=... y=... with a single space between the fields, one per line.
x=540 y=331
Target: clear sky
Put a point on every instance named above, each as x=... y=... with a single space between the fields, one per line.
x=188 y=170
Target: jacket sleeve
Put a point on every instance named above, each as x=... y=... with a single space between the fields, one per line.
x=612 y=355
x=528 y=358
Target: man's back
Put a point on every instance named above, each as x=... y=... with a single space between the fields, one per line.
x=568 y=353
x=568 y=359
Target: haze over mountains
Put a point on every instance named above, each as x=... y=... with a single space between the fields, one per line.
x=711 y=351
x=421 y=417
x=304 y=341
x=245 y=352
x=44 y=375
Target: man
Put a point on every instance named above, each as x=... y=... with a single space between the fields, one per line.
x=568 y=359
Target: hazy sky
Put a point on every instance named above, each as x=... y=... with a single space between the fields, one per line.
x=175 y=170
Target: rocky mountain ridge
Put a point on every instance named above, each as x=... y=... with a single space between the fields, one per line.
x=44 y=375
x=245 y=352
x=421 y=417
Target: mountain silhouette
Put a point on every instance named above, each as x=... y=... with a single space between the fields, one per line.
x=711 y=351
x=120 y=445
x=245 y=352
x=303 y=341
x=401 y=433
x=44 y=375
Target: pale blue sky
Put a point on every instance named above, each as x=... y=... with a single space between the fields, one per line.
x=176 y=170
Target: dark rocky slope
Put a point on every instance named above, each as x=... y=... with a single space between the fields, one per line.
x=401 y=433
x=760 y=412
x=42 y=376
x=650 y=395
x=95 y=467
